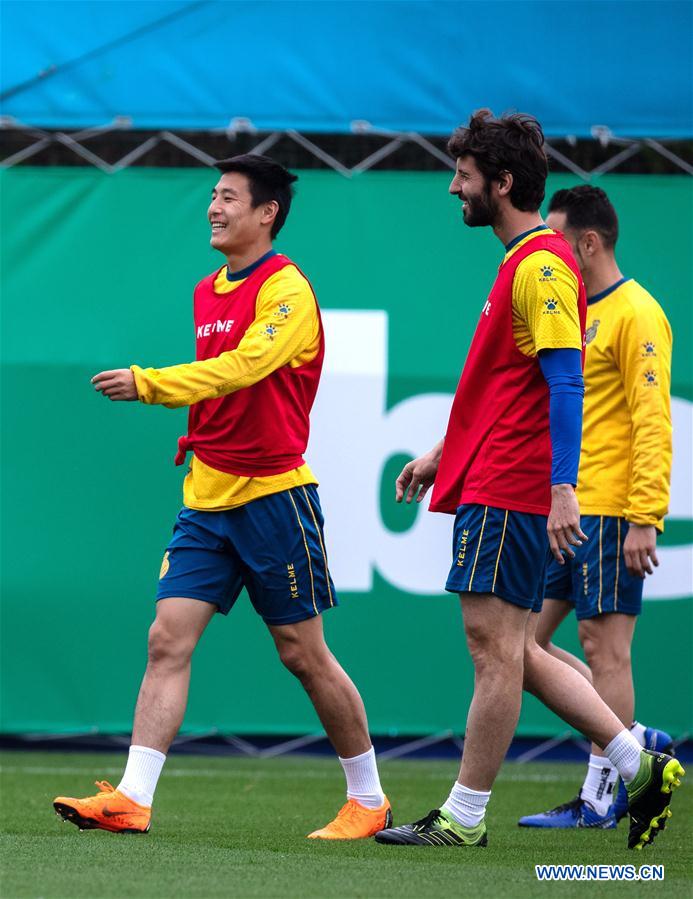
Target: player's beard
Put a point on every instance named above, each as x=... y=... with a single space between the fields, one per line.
x=480 y=211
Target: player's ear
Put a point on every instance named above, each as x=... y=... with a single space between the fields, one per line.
x=505 y=183
x=269 y=212
x=590 y=243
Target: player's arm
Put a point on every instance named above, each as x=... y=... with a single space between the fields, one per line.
x=417 y=476
x=549 y=309
x=562 y=370
x=274 y=339
x=646 y=376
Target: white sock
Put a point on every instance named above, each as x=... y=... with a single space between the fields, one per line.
x=466 y=806
x=638 y=731
x=600 y=783
x=363 y=782
x=624 y=753
x=141 y=774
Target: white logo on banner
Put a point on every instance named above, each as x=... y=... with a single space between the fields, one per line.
x=354 y=435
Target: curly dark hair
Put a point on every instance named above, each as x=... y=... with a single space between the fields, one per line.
x=587 y=208
x=267 y=180
x=513 y=143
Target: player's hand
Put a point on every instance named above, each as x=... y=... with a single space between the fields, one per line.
x=563 y=526
x=640 y=549
x=118 y=384
x=418 y=476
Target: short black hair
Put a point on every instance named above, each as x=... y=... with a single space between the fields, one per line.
x=513 y=143
x=587 y=208
x=268 y=180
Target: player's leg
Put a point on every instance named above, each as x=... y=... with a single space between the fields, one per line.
x=607 y=608
x=592 y=588
x=494 y=630
x=491 y=549
x=194 y=565
x=553 y=613
x=289 y=584
x=649 y=777
x=565 y=692
x=592 y=807
x=161 y=703
x=338 y=704
x=606 y=641
x=559 y=591
x=304 y=652
x=163 y=696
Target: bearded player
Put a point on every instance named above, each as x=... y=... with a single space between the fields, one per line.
x=251 y=515
x=623 y=490
x=507 y=469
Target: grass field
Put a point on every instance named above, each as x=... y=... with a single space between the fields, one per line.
x=235 y=827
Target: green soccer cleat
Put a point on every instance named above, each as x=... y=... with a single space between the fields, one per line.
x=649 y=795
x=436 y=829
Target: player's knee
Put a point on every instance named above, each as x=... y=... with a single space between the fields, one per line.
x=487 y=651
x=295 y=659
x=605 y=658
x=603 y=654
x=166 y=647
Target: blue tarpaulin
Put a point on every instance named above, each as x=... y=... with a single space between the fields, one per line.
x=319 y=66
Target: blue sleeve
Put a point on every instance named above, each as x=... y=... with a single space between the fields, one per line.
x=562 y=369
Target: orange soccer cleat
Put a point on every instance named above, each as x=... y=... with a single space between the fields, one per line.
x=108 y=810
x=355 y=822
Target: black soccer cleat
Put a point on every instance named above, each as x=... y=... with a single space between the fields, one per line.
x=649 y=795
x=436 y=829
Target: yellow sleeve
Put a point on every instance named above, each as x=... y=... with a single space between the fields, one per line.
x=545 y=301
x=285 y=329
x=643 y=356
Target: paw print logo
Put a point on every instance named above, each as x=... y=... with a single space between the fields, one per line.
x=649 y=348
x=547 y=273
x=269 y=331
x=551 y=306
x=650 y=377
x=283 y=311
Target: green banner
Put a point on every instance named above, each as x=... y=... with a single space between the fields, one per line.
x=98 y=273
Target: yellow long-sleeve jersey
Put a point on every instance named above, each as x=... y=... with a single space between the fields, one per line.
x=295 y=341
x=625 y=466
x=544 y=304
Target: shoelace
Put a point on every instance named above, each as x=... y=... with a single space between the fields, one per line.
x=432 y=816
x=104 y=786
x=574 y=804
x=348 y=811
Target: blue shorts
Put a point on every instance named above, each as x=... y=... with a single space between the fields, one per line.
x=597 y=580
x=501 y=552
x=273 y=546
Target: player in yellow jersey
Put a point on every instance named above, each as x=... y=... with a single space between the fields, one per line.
x=623 y=489
x=251 y=516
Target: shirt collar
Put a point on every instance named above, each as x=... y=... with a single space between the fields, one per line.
x=249 y=269
x=605 y=293
x=515 y=241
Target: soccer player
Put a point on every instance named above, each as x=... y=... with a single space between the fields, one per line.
x=623 y=489
x=251 y=515
x=507 y=468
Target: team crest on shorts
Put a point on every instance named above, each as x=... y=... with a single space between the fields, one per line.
x=591 y=332
x=164 y=565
